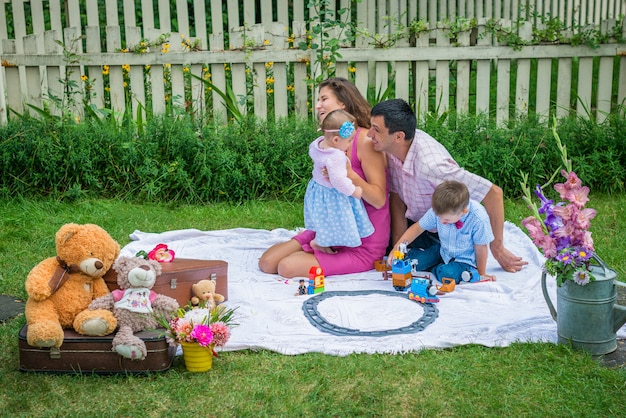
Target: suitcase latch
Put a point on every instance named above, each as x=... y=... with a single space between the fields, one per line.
x=173 y=283
x=55 y=352
x=213 y=276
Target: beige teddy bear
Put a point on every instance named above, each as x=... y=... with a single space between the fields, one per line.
x=61 y=288
x=204 y=291
x=135 y=304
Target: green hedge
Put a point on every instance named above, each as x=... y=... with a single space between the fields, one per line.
x=174 y=159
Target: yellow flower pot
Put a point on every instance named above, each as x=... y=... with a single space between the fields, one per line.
x=197 y=358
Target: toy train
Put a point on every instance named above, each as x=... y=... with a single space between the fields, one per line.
x=422 y=290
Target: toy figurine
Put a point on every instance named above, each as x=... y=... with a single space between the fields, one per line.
x=301 y=288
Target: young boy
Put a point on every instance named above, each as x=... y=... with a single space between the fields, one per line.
x=464 y=232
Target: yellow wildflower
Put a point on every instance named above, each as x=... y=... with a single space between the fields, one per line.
x=105 y=70
x=266 y=42
x=270 y=91
x=126 y=68
x=351 y=69
x=269 y=65
x=269 y=80
x=84 y=77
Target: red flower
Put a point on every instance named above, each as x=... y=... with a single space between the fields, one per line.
x=161 y=254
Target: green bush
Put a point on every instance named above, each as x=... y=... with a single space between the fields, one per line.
x=174 y=159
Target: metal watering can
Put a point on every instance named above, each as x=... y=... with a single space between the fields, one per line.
x=588 y=316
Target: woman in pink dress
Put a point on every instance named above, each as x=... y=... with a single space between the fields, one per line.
x=295 y=257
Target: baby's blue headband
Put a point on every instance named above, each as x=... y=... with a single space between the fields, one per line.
x=346 y=130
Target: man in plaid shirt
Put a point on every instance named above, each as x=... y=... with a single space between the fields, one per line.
x=417 y=164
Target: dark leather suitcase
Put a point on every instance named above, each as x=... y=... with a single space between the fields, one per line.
x=177 y=277
x=83 y=354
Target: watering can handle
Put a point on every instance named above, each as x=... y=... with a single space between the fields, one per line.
x=601 y=264
x=546 y=296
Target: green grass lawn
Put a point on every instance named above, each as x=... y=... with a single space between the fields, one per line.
x=519 y=380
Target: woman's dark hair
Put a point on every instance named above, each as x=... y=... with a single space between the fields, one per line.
x=398 y=117
x=348 y=95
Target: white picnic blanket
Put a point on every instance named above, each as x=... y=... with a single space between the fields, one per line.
x=271 y=317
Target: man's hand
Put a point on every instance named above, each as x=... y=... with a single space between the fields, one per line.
x=507 y=260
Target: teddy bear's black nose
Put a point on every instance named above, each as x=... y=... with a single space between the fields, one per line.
x=146 y=268
x=98 y=264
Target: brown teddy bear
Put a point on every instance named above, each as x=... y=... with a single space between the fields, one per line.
x=61 y=288
x=204 y=291
x=135 y=304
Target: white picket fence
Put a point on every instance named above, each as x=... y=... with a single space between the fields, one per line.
x=254 y=52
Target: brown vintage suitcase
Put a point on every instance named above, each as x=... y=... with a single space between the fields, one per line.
x=177 y=277
x=83 y=354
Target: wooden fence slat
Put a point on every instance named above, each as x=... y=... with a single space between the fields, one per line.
x=117 y=92
x=283 y=12
x=522 y=82
x=483 y=73
x=177 y=74
x=463 y=77
x=129 y=13
x=402 y=80
x=92 y=34
x=249 y=12
x=165 y=19
x=259 y=89
x=33 y=76
x=278 y=35
x=583 y=104
x=135 y=75
x=442 y=76
x=605 y=85
x=111 y=11
x=147 y=15
x=233 y=15
x=20 y=23
x=503 y=91
x=563 y=87
x=13 y=75
x=421 y=79
x=73 y=71
x=182 y=18
x=91 y=9
x=544 y=81
x=200 y=25
x=36 y=11
x=198 y=98
x=4 y=34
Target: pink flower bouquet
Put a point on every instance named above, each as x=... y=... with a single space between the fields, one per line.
x=206 y=327
x=561 y=230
